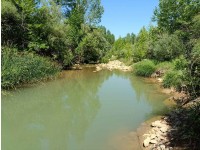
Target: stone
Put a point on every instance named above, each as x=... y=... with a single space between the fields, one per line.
x=163 y=129
x=156 y=124
x=162 y=147
x=153 y=136
x=153 y=141
x=146 y=142
x=98 y=68
x=162 y=138
x=159 y=133
x=158 y=148
x=160 y=80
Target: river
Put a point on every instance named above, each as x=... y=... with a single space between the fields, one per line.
x=82 y=110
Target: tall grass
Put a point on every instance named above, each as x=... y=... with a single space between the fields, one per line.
x=18 y=68
x=173 y=78
x=144 y=68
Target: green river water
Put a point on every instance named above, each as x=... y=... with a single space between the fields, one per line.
x=82 y=110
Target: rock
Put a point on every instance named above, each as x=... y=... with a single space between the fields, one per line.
x=160 y=80
x=153 y=136
x=98 y=68
x=153 y=141
x=162 y=138
x=162 y=147
x=158 y=148
x=159 y=133
x=164 y=129
x=77 y=67
x=157 y=124
x=146 y=142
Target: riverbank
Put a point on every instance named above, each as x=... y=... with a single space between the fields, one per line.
x=172 y=131
x=159 y=132
x=113 y=65
x=19 y=68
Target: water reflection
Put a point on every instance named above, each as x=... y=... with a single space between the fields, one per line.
x=77 y=112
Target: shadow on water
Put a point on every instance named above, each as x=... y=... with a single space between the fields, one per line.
x=76 y=112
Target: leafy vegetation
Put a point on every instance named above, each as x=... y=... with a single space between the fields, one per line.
x=52 y=32
x=144 y=68
x=22 y=67
x=67 y=32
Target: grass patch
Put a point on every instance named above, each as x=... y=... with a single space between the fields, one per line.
x=144 y=68
x=18 y=68
x=173 y=79
x=165 y=66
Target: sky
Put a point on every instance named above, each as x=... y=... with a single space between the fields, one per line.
x=127 y=16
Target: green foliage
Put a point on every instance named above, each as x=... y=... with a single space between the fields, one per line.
x=108 y=35
x=193 y=72
x=93 y=12
x=140 y=50
x=10 y=20
x=93 y=47
x=196 y=27
x=180 y=63
x=46 y=31
x=173 y=78
x=187 y=121
x=168 y=47
x=190 y=126
x=123 y=47
x=165 y=66
x=175 y=15
x=18 y=68
x=144 y=68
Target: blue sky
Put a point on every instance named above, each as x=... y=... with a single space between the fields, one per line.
x=127 y=16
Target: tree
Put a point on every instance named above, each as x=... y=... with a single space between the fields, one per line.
x=140 y=50
x=173 y=15
x=93 y=46
x=130 y=38
x=168 y=47
x=16 y=16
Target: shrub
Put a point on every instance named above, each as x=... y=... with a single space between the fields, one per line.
x=93 y=47
x=166 y=66
x=167 y=48
x=187 y=121
x=173 y=79
x=18 y=68
x=180 y=63
x=144 y=68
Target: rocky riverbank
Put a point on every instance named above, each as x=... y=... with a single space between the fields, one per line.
x=113 y=65
x=156 y=138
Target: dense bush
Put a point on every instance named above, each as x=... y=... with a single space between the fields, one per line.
x=10 y=20
x=165 y=66
x=187 y=123
x=173 y=78
x=144 y=68
x=180 y=63
x=167 y=48
x=93 y=47
x=24 y=67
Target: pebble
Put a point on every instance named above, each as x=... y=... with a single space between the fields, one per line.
x=163 y=129
x=153 y=142
x=157 y=136
x=153 y=136
x=146 y=142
